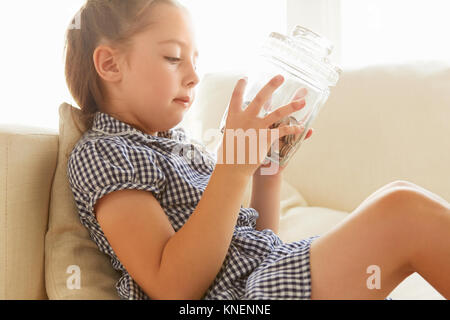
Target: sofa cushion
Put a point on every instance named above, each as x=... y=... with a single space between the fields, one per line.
x=289 y=196
x=74 y=267
x=302 y=222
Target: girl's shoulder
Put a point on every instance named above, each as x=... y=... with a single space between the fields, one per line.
x=115 y=148
x=100 y=161
x=92 y=141
x=113 y=141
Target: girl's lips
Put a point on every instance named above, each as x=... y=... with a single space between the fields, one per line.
x=182 y=102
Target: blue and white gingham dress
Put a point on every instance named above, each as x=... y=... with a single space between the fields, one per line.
x=114 y=156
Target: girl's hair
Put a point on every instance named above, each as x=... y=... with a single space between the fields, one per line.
x=113 y=21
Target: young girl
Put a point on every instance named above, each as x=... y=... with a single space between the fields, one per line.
x=176 y=229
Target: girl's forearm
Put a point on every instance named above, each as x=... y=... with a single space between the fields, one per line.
x=266 y=200
x=194 y=255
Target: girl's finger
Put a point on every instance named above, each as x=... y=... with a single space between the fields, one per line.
x=297 y=136
x=268 y=105
x=237 y=96
x=264 y=94
x=286 y=130
x=283 y=112
x=300 y=93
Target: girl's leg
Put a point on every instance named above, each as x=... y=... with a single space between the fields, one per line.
x=399 y=231
x=404 y=183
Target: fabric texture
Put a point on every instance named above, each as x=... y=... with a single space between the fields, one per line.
x=289 y=196
x=74 y=267
x=302 y=222
x=27 y=164
x=114 y=156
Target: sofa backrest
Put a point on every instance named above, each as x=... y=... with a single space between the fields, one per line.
x=27 y=165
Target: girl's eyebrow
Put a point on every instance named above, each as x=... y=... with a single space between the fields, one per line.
x=179 y=42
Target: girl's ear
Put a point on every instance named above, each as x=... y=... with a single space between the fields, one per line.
x=107 y=63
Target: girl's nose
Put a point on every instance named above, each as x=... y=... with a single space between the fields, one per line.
x=193 y=77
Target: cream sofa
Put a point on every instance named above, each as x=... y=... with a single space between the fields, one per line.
x=380 y=124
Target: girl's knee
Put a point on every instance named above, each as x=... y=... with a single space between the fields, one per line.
x=408 y=206
x=403 y=198
x=401 y=183
x=393 y=205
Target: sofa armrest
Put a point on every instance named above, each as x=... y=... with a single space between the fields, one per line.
x=27 y=163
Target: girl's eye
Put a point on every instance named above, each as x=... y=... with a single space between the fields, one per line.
x=171 y=59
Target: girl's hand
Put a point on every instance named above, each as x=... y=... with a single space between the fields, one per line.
x=299 y=94
x=241 y=124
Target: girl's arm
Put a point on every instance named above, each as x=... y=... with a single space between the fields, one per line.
x=196 y=253
x=168 y=264
x=266 y=200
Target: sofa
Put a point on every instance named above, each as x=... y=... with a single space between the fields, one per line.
x=380 y=124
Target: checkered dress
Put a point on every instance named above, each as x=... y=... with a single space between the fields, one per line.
x=114 y=156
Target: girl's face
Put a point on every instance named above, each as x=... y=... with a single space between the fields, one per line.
x=162 y=69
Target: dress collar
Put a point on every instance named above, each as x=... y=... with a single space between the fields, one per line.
x=105 y=123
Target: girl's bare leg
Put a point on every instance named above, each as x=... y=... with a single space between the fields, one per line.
x=400 y=230
x=404 y=183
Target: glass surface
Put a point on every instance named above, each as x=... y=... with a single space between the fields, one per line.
x=302 y=60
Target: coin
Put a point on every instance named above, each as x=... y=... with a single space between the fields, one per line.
x=286 y=142
x=285 y=150
x=289 y=138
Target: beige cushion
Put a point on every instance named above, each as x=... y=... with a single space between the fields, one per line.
x=302 y=222
x=68 y=242
x=27 y=164
x=288 y=195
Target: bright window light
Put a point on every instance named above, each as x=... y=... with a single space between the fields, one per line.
x=399 y=31
x=32 y=62
x=32 y=82
x=229 y=33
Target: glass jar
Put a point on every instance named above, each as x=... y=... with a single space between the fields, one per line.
x=302 y=59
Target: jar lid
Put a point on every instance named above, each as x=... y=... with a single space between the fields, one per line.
x=305 y=51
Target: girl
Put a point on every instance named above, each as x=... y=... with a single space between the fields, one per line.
x=176 y=229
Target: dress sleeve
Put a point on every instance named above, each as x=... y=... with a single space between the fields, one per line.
x=99 y=167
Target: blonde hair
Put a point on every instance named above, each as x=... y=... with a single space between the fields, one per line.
x=115 y=21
